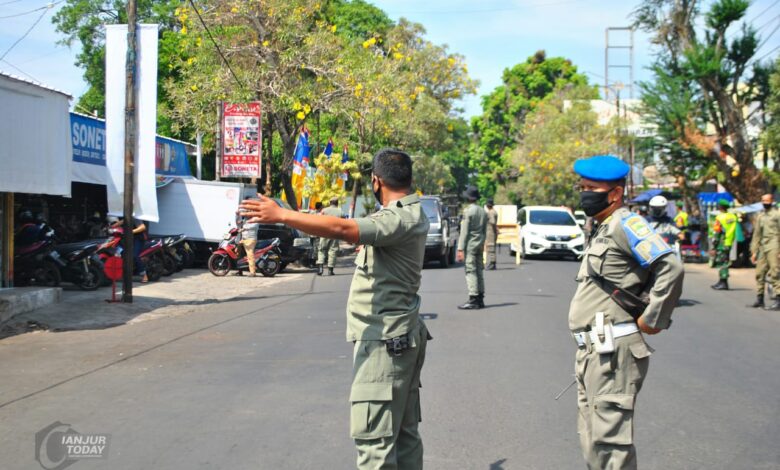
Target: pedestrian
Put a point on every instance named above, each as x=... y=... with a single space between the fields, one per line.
x=491 y=235
x=725 y=230
x=470 y=245
x=139 y=239
x=249 y=241
x=383 y=319
x=765 y=249
x=328 y=248
x=624 y=262
x=681 y=219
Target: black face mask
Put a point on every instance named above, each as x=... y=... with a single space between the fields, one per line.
x=768 y=206
x=377 y=194
x=593 y=202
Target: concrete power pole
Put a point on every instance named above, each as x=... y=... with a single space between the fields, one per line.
x=130 y=152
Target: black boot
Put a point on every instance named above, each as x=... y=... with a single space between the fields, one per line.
x=775 y=304
x=481 y=300
x=759 y=303
x=723 y=284
x=330 y=271
x=472 y=304
x=319 y=270
x=491 y=267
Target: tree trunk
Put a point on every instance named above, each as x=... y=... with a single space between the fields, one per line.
x=288 y=137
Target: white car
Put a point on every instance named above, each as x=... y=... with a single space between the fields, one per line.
x=549 y=230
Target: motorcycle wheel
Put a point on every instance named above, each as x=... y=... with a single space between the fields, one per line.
x=47 y=275
x=92 y=279
x=271 y=266
x=219 y=264
x=168 y=265
x=154 y=269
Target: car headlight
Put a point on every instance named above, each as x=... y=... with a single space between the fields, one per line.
x=302 y=242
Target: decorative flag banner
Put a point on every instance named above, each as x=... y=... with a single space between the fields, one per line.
x=300 y=164
x=344 y=159
x=241 y=140
x=145 y=193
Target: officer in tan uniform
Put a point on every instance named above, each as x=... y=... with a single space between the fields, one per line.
x=328 y=249
x=765 y=247
x=382 y=311
x=471 y=243
x=629 y=282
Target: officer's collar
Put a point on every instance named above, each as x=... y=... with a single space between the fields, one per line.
x=404 y=201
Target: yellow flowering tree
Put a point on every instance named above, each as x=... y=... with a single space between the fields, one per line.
x=328 y=180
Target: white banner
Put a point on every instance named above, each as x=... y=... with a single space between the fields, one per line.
x=145 y=194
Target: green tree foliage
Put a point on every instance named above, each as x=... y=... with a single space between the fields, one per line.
x=553 y=138
x=770 y=140
x=432 y=175
x=500 y=127
x=719 y=72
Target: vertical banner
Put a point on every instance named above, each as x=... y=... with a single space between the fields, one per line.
x=145 y=194
x=241 y=140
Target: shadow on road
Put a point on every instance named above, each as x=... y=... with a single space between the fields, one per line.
x=497 y=465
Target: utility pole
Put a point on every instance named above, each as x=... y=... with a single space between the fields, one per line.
x=130 y=143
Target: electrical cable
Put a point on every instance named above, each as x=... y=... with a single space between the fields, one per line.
x=235 y=77
x=26 y=32
x=10 y=2
x=764 y=11
x=45 y=7
x=21 y=71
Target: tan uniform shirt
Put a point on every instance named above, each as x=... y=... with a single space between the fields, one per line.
x=332 y=211
x=472 y=228
x=626 y=251
x=766 y=234
x=383 y=300
x=492 y=225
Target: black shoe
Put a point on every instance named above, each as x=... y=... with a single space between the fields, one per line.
x=759 y=303
x=472 y=304
x=330 y=272
x=319 y=270
x=481 y=299
x=491 y=267
x=775 y=304
x=723 y=284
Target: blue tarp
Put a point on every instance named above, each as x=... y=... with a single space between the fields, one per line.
x=713 y=198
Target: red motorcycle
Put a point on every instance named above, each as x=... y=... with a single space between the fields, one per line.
x=231 y=255
x=151 y=253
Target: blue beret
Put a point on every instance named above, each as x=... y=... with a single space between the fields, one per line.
x=601 y=168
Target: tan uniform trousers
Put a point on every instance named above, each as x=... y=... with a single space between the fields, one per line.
x=385 y=409
x=607 y=385
x=249 y=247
x=327 y=251
x=768 y=263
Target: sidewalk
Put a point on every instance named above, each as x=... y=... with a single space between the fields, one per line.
x=179 y=294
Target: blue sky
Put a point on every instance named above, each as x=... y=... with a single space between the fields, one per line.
x=491 y=34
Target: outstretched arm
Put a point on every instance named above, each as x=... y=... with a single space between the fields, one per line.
x=265 y=210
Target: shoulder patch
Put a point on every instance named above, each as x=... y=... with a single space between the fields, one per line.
x=646 y=245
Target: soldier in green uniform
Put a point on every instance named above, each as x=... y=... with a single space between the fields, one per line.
x=491 y=235
x=328 y=248
x=629 y=283
x=765 y=249
x=725 y=233
x=470 y=246
x=382 y=311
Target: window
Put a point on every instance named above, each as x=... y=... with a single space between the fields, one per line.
x=542 y=217
x=431 y=209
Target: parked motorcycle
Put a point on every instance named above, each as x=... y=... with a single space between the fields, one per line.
x=77 y=265
x=37 y=262
x=151 y=253
x=230 y=255
x=174 y=253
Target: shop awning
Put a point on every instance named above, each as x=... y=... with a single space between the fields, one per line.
x=34 y=134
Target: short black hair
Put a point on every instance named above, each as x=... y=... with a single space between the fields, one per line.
x=394 y=167
x=318 y=205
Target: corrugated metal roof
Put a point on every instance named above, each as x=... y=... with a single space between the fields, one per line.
x=30 y=82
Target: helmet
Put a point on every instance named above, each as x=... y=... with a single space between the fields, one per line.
x=26 y=216
x=658 y=206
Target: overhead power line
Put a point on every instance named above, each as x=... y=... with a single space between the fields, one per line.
x=765 y=10
x=28 y=31
x=235 y=77
x=45 y=7
x=21 y=71
x=8 y=3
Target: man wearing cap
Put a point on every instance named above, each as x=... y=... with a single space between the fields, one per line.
x=765 y=249
x=328 y=248
x=470 y=246
x=491 y=234
x=725 y=230
x=629 y=283
x=383 y=311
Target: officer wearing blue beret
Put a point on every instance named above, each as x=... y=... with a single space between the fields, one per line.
x=629 y=283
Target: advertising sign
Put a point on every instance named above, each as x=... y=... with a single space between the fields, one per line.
x=241 y=140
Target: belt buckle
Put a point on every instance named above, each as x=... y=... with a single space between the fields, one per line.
x=580 y=339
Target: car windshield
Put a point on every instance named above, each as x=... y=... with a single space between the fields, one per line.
x=551 y=218
x=430 y=207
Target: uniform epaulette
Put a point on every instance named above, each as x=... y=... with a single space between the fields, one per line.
x=646 y=245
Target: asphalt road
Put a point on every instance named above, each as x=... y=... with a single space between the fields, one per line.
x=261 y=382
